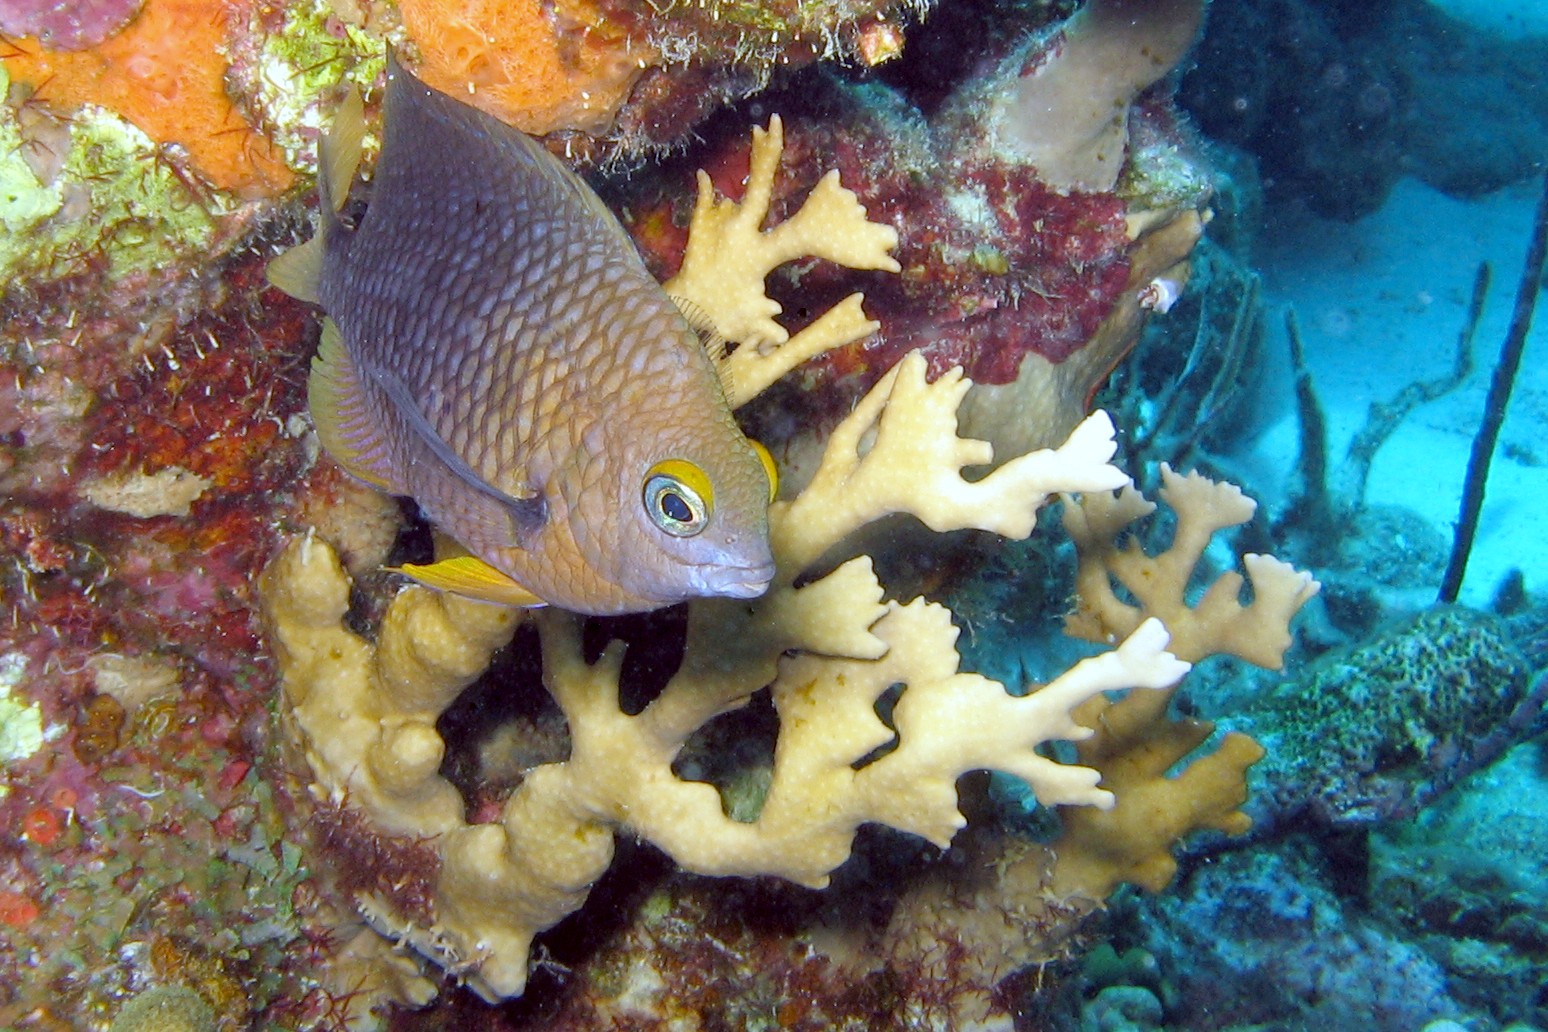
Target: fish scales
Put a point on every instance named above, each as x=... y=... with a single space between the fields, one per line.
x=506 y=359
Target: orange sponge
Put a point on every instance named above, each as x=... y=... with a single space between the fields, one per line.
x=165 y=73
x=541 y=66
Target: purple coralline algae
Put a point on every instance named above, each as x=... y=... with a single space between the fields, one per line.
x=67 y=24
x=146 y=465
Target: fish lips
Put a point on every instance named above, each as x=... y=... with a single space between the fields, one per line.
x=735 y=581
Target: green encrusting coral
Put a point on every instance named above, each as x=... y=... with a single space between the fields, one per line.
x=1367 y=733
x=1444 y=670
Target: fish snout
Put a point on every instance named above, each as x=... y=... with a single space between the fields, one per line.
x=736 y=581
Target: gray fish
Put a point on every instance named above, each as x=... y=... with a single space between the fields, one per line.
x=496 y=350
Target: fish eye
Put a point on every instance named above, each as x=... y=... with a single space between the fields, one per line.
x=678 y=497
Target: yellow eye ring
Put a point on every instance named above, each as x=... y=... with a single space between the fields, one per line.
x=678 y=497
x=768 y=467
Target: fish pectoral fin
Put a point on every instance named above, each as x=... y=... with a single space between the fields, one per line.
x=715 y=344
x=470 y=577
x=342 y=413
x=298 y=270
x=506 y=520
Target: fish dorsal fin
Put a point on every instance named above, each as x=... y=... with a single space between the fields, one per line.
x=715 y=345
x=298 y=271
x=437 y=135
x=339 y=153
x=507 y=520
x=342 y=413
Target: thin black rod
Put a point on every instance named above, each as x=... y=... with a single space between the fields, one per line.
x=1494 y=408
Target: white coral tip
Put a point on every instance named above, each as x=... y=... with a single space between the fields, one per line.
x=1160 y=294
x=1144 y=654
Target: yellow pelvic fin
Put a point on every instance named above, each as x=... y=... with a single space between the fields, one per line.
x=471 y=577
x=342 y=414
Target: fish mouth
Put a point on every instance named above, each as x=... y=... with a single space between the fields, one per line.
x=737 y=581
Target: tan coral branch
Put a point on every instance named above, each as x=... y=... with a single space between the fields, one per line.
x=899 y=451
x=1135 y=744
x=1257 y=632
x=365 y=715
x=828 y=648
x=729 y=254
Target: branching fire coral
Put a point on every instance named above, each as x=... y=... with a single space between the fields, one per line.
x=501 y=883
x=1136 y=743
x=729 y=254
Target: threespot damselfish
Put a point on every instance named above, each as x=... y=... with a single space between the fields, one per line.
x=495 y=349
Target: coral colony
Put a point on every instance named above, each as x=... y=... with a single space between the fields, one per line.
x=383 y=875
x=257 y=780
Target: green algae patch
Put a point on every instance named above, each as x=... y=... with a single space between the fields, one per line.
x=115 y=200
x=303 y=65
x=26 y=202
x=21 y=722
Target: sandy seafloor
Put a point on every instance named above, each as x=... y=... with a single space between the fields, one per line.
x=1508 y=17
x=1380 y=303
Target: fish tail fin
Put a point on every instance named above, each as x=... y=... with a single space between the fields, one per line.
x=299 y=270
